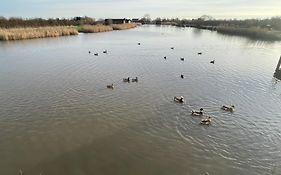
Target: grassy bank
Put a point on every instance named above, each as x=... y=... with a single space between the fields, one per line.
x=32 y=33
x=7 y=34
x=104 y=28
x=94 y=28
x=254 y=33
x=123 y=26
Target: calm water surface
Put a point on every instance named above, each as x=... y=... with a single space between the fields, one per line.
x=58 y=118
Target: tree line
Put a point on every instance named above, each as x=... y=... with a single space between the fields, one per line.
x=15 y=22
x=272 y=23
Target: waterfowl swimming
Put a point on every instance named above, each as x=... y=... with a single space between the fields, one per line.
x=213 y=61
x=110 y=86
x=165 y=57
x=126 y=79
x=179 y=99
x=139 y=43
x=182 y=76
x=135 y=79
x=182 y=59
x=228 y=108
x=89 y=52
x=206 y=121
x=96 y=54
x=172 y=48
x=105 y=51
x=197 y=113
x=199 y=53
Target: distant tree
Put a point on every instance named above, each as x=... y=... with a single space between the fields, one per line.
x=146 y=19
x=158 y=21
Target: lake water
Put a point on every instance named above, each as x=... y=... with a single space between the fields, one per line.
x=58 y=118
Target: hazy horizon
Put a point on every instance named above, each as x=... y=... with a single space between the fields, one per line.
x=221 y=9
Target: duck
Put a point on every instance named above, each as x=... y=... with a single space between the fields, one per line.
x=206 y=121
x=96 y=54
x=182 y=59
x=213 y=61
x=165 y=57
x=135 y=80
x=228 y=108
x=126 y=79
x=89 y=52
x=111 y=86
x=182 y=76
x=179 y=99
x=199 y=53
x=197 y=113
x=105 y=51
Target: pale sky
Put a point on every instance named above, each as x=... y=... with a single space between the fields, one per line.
x=137 y=8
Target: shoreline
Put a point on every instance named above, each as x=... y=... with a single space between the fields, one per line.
x=25 y=33
x=252 y=32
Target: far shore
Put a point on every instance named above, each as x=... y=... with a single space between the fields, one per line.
x=253 y=32
x=23 y=33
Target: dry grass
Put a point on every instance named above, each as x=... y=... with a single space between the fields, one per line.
x=31 y=33
x=43 y=32
x=123 y=26
x=94 y=28
x=104 y=28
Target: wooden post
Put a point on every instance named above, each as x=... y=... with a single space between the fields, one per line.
x=278 y=65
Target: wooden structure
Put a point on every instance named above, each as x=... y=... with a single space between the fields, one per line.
x=277 y=73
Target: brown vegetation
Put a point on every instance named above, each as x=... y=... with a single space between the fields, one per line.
x=123 y=26
x=105 y=28
x=94 y=28
x=7 y=34
x=31 y=33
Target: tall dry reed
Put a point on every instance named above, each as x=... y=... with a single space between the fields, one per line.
x=104 y=28
x=94 y=28
x=123 y=26
x=31 y=33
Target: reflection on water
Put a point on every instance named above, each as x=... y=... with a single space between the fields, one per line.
x=58 y=117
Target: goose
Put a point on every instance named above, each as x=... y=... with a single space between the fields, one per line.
x=197 y=113
x=228 y=108
x=172 y=48
x=105 y=51
x=165 y=57
x=135 y=80
x=139 y=43
x=110 y=86
x=126 y=79
x=206 y=121
x=182 y=59
x=199 y=53
x=182 y=76
x=179 y=99
x=213 y=61
x=96 y=54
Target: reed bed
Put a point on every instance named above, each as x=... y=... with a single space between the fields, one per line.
x=94 y=28
x=123 y=26
x=32 y=33
x=255 y=33
x=104 y=28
